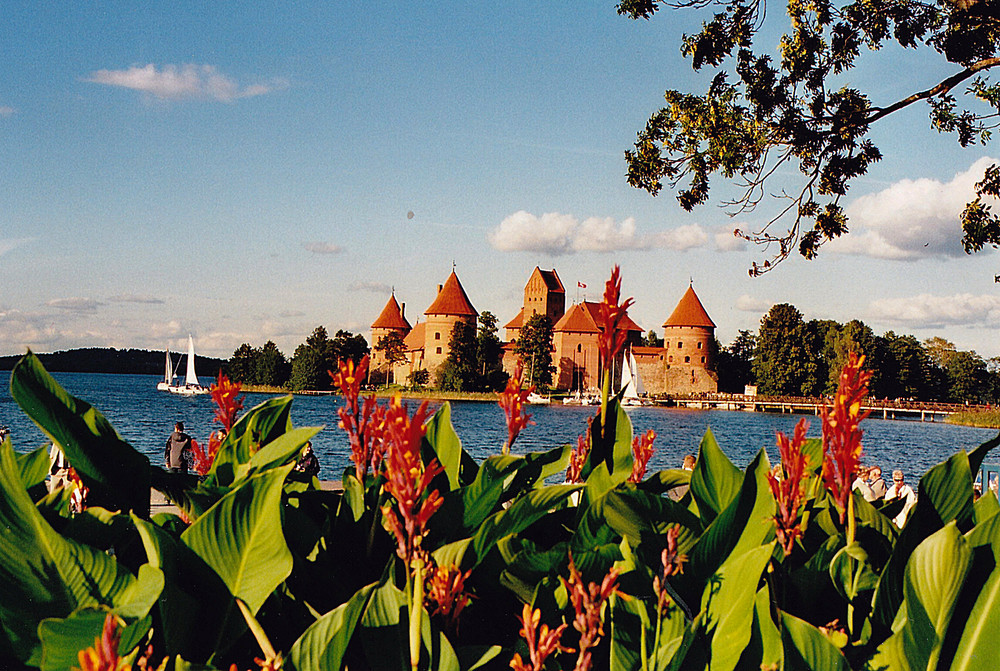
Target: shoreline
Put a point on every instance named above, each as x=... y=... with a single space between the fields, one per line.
x=432 y=395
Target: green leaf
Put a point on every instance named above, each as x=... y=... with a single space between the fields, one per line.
x=33 y=467
x=445 y=443
x=807 y=649
x=635 y=514
x=323 y=644
x=986 y=507
x=43 y=574
x=729 y=602
x=715 y=481
x=261 y=425
x=851 y=573
x=282 y=450
x=63 y=638
x=117 y=475
x=523 y=513
x=241 y=538
x=980 y=629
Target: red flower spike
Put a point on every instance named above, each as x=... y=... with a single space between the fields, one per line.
x=513 y=400
x=364 y=424
x=542 y=642
x=673 y=564
x=446 y=595
x=611 y=339
x=578 y=457
x=642 y=450
x=408 y=479
x=789 y=490
x=103 y=655
x=842 y=433
x=227 y=401
x=588 y=602
x=78 y=497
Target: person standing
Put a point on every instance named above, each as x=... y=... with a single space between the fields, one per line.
x=901 y=490
x=178 y=449
x=876 y=482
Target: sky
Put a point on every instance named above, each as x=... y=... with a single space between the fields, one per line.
x=245 y=173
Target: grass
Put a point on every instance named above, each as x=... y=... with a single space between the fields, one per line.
x=989 y=419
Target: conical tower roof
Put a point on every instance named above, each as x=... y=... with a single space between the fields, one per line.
x=452 y=300
x=391 y=317
x=689 y=312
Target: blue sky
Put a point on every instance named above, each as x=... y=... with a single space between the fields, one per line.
x=244 y=173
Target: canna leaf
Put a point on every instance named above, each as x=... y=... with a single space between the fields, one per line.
x=806 y=648
x=323 y=644
x=715 y=481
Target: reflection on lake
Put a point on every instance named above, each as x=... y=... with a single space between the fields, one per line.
x=144 y=417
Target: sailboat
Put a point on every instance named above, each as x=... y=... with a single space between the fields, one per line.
x=191 y=386
x=168 y=375
x=632 y=383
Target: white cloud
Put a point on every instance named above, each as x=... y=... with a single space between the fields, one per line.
x=75 y=304
x=557 y=234
x=912 y=218
x=371 y=287
x=322 y=247
x=6 y=111
x=9 y=244
x=927 y=310
x=172 y=82
x=748 y=303
x=132 y=298
x=726 y=241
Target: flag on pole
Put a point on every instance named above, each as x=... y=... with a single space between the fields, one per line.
x=581 y=285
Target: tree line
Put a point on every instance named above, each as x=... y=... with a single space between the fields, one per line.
x=794 y=357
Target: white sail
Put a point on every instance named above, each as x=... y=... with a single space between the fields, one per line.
x=168 y=374
x=627 y=383
x=640 y=388
x=631 y=382
x=191 y=378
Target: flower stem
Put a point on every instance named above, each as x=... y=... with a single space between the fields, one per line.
x=851 y=522
x=416 y=611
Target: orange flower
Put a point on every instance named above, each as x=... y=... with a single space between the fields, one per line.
x=611 y=339
x=578 y=457
x=588 y=602
x=348 y=378
x=642 y=450
x=408 y=479
x=78 y=497
x=673 y=564
x=103 y=655
x=227 y=400
x=542 y=642
x=512 y=400
x=446 y=595
x=363 y=424
x=789 y=490
x=842 y=433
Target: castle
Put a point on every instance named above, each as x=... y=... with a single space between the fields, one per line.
x=682 y=365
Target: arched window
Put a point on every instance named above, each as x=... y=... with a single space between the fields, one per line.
x=687 y=359
x=699 y=344
x=437 y=336
x=679 y=344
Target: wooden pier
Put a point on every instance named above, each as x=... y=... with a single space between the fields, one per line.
x=886 y=408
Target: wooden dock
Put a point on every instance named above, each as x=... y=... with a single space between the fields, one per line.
x=885 y=408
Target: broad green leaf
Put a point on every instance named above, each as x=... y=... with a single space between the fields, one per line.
x=476 y=657
x=616 y=457
x=728 y=603
x=445 y=443
x=986 y=507
x=715 y=481
x=63 y=638
x=807 y=649
x=139 y=598
x=977 y=455
x=258 y=427
x=522 y=514
x=43 y=574
x=34 y=467
x=323 y=644
x=980 y=631
x=636 y=514
x=851 y=573
x=665 y=480
x=282 y=450
x=241 y=538
x=117 y=475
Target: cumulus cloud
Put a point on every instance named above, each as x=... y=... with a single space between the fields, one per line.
x=172 y=82
x=322 y=247
x=133 y=298
x=927 y=310
x=371 y=287
x=75 y=304
x=912 y=219
x=557 y=234
x=725 y=241
x=6 y=111
x=748 y=303
x=21 y=330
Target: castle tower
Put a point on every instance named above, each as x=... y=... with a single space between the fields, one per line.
x=449 y=307
x=543 y=294
x=688 y=336
x=391 y=320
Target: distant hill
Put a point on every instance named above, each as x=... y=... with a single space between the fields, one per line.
x=111 y=360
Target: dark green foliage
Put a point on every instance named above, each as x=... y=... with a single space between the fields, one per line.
x=393 y=351
x=784 y=363
x=768 y=110
x=734 y=364
x=346 y=345
x=534 y=347
x=313 y=361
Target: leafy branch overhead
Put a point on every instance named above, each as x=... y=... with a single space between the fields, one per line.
x=753 y=126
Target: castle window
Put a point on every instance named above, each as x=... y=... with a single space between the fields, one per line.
x=679 y=344
x=703 y=359
x=687 y=359
x=438 y=350
x=437 y=336
x=670 y=359
x=699 y=345
x=579 y=348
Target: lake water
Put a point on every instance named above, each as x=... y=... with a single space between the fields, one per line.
x=145 y=417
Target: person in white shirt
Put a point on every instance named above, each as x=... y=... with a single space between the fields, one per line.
x=901 y=490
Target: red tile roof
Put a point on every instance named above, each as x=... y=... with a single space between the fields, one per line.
x=689 y=312
x=391 y=317
x=452 y=300
x=414 y=340
x=595 y=312
x=551 y=280
x=577 y=319
x=517 y=322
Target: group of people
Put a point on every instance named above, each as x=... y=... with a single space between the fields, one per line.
x=873 y=488
x=178 y=455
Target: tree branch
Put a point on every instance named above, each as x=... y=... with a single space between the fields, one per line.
x=943 y=87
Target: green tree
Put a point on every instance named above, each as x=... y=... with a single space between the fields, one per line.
x=460 y=371
x=854 y=336
x=904 y=369
x=241 y=366
x=489 y=353
x=651 y=339
x=393 y=352
x=821 y=335
x=783 y=365
x=346 y=345
x=270 y=366
x=967 y=375
x=307 y=369
x=734 y=364
x=534 y=347
x=760 y=118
